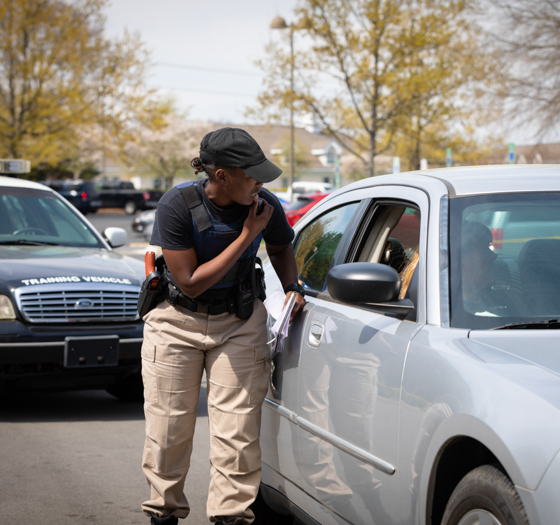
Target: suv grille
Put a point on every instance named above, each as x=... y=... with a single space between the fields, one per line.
x=78 y=302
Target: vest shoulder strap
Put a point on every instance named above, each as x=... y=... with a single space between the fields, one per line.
x=198 y=210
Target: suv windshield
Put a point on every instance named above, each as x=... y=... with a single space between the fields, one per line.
x=29 y=216
x=504 y=259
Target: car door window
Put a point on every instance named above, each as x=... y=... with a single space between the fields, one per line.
x=317 y=244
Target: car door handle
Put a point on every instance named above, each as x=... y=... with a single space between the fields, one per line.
x=315 y=334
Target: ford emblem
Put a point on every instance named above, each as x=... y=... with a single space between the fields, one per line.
x=83 y=303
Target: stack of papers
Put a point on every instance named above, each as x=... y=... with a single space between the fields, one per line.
x=282 y=315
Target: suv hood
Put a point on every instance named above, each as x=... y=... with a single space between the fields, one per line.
x=22 y=266
x=539 y=347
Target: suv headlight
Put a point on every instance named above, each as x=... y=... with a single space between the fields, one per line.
x=6 y=309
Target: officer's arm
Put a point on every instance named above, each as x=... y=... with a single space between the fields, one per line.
x=284 y=263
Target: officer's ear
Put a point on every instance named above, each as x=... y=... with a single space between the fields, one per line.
x=220 y=176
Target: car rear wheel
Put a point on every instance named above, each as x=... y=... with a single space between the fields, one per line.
x=130 y=207
x=485 y=496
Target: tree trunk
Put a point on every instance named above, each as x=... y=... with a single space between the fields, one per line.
x=372 y=150
x=417 y=149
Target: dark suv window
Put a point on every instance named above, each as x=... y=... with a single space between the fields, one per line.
x=73 y=186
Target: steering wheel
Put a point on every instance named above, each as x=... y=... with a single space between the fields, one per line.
x=31 y=229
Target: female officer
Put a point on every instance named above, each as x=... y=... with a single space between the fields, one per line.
x=209 y=232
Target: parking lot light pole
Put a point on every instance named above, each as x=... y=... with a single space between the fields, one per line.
x=280 y=23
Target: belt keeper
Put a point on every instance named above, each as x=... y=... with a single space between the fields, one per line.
x=202 y=308
x=173 y=294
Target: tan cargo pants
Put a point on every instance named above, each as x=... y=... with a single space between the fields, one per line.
x=178 y=346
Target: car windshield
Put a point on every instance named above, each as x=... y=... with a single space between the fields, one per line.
x=504 y=259
x=29 y=216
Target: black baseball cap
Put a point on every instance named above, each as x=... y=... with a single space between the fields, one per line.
x=235 y=148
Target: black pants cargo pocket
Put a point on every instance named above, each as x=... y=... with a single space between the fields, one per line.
x=149 y=372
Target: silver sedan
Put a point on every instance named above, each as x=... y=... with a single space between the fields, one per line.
x=420 y=385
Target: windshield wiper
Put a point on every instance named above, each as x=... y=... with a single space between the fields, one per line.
x=26 y=242
x=551 y=323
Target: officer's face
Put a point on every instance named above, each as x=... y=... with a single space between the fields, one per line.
x=241 y=187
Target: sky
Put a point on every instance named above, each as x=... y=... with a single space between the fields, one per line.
x=203 y=51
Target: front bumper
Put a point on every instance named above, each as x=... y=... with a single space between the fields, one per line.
x=53 y=351
x=32 y=357
x=543 y=504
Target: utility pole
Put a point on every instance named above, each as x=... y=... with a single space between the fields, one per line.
x=280 y=23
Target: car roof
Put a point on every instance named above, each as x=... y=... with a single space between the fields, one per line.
x=13 y=182
x=473 y=180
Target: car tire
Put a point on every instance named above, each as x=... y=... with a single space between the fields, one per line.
x=264 y=515
x=485 y=495
x=131 y=388
x=130 y=207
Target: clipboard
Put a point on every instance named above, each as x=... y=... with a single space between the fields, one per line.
x=280 y=328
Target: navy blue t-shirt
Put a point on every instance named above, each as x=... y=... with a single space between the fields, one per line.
x=173 y=225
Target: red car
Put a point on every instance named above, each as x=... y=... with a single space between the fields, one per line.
x=303 y=203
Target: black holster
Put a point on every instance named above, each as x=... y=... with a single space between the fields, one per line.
x=251 y=286
x=151 y=292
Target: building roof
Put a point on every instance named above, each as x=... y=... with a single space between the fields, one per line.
x=529 y=154
x=538 y=154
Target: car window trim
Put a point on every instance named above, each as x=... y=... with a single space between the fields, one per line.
x=350 y=232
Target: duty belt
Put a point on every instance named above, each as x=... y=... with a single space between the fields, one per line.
x=177 y=298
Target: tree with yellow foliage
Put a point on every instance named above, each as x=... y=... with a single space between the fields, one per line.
x=378 y=71
x=60 y=77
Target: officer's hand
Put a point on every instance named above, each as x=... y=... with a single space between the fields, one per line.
x=257 y=223
x=298 y=305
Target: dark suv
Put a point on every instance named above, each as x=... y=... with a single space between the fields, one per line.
x=82 y=194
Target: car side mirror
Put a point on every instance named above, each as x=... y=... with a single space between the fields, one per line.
x=115 y=236
x=371 y=285
x=363 y=283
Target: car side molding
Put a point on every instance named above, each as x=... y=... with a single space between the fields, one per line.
x=341 y=444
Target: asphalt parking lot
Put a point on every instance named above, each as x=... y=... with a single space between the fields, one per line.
x=71 y=458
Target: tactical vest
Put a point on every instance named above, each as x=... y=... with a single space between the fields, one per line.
x=211 y=237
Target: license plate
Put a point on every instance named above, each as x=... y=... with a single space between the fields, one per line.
x=87 y=352
x=96 y=203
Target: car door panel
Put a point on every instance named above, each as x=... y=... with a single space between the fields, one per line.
x=279 y=430
x=351 y=394
x=350 y=373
